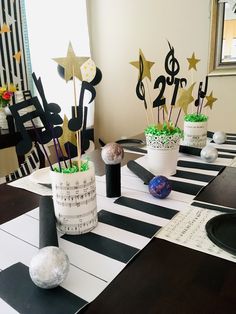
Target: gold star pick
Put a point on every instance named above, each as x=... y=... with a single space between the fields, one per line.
x=67 y=136
x=210 y=100
x=71 y=63
x=146 y=66
x=185 y=98
x=192 y=62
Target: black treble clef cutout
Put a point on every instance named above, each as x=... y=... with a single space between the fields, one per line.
x=140 y=90
x=171 y=66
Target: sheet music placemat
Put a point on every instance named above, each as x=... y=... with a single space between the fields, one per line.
x=187 y=228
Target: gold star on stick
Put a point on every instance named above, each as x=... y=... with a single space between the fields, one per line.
x=185 y=98
x=210 y=100
x=71 y=63
x=67 y=136
x=146 y=66
x=192 y=62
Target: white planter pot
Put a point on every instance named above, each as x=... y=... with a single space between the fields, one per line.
x=162 y=154
x=74 y=198
x=195 y=134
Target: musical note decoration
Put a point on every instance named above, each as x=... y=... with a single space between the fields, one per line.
x=193 y=61
x=48 y=115
x=201 y=95
x=144 y=67
x=210 y=100
x=84 y=69
x=182 y=93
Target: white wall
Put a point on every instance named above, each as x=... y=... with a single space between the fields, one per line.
x=118 y=28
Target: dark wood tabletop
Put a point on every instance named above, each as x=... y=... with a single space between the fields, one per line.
x=164 y=278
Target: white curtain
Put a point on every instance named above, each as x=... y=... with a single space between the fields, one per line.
x=52 y=24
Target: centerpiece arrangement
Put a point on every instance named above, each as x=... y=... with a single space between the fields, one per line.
x=73 y=185
x=163 y=136
x=195 y=123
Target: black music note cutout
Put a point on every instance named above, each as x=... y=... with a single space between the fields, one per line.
x=25 y=143
x=76 y=122
x=172 y=68
x=51 y=111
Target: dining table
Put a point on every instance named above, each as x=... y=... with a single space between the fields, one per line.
x=166 y=275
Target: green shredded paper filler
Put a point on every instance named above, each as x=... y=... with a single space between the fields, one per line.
x=163 y=129
x=194 y=117
x=83 y=167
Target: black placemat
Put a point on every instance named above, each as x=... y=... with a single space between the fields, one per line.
x=222 y=189
x=222 y=231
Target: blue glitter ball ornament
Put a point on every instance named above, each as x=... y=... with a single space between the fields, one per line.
x=159 y=187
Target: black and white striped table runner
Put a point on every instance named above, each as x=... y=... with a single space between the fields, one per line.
x=126 y=225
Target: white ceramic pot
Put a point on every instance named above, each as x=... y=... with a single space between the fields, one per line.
x=74 y=199
x=195 y=134
x=162 y=154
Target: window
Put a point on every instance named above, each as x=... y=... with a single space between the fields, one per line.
x=52 y=24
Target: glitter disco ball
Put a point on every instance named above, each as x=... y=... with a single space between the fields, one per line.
x=112 y=153
x=219 y=137
x=209 y=153
x=49 y=267
x=159 y=187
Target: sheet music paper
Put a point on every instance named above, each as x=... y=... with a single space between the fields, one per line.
x=187 y=228
x=27 y=184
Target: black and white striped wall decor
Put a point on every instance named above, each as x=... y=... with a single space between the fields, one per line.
x=14 y=51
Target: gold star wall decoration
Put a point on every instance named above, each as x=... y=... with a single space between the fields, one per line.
x=11 y=87
x=210 y=100
x=71 y=64
x=67 y=136
x=17 y=56
x=192 y=62
x=146 y=66
x=5 y=28
x=185 y=98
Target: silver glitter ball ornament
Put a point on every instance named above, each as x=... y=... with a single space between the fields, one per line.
x=49 y=267
x=219 y=137
x=209 y=153
x=112 y=153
